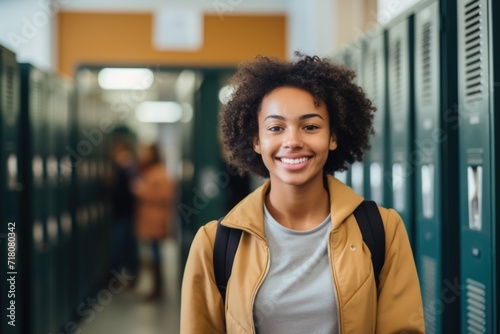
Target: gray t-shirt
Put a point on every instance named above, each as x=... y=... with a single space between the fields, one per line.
x=297 y=295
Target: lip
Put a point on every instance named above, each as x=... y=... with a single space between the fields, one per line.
x=294 y=167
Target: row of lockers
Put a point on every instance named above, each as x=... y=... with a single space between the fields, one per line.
x=60 y=135
x=433 y=74
x=54 y=210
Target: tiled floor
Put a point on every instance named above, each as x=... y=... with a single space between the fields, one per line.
x=128 y=313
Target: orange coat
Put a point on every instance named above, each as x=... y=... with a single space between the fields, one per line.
x=394 y=306
x=155 y=193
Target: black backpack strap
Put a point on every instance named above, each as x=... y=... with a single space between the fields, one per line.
x=371 y=226
x=225 y=246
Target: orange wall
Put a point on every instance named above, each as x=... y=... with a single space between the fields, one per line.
x=124 y=38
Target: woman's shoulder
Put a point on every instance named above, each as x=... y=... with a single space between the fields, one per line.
x=206 y=234
x=388 y=214
x=393 y=223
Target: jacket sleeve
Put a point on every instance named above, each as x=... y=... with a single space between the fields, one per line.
x=202 y=309
x=399 y=302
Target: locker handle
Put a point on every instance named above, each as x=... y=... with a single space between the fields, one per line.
x=474 y=187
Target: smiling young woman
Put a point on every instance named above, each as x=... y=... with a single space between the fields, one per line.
x=294 y=141
x=301 y=265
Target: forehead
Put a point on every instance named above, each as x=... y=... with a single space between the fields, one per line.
x=290 y=101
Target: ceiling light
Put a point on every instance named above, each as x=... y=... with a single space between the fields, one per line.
x=125 y=78
x=159 y=112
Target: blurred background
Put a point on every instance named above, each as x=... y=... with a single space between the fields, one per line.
x=111 y=156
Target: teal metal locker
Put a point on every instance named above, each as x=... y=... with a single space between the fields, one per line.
x=353 y=60
x=436 y=176
x=101 y=142
x=53 y=222
x=399 y=174
x=101 y=192
x=10 y=225
x=374 y=84
x=203 y=197
x=208 y=157
x=33 y=110
x=69 y=166
x=65 y=255
x=79 y=152
x=59 y=203
x=86 y=152
x=478 y=77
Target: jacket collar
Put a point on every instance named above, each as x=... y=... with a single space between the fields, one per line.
x=248 y=215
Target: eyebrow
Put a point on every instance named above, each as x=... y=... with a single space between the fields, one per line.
x=301 y=118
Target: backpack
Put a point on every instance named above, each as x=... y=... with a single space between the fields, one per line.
x=367 y=216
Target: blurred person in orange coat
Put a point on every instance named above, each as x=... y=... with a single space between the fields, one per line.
x=155 y=192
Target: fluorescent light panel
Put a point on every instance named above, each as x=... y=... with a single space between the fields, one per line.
x=159 y=112
x=125 y=78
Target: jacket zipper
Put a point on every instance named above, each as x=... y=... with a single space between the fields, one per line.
x=334 y=277
x=260 y=283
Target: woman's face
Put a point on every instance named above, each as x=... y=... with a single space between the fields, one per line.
x=294 y=136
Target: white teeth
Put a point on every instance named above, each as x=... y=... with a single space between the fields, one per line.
x=294 y=161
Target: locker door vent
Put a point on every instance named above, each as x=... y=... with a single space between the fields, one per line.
x=474 y=75
x=396 y=61
x=9 y=113
x=476 y=306
x=429 y=292
x=9 y=96
x=426 y=66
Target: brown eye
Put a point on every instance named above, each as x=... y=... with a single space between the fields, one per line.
x=310 y=127
x=275 y=128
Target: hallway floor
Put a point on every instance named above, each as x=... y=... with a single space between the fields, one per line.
x=128 y=313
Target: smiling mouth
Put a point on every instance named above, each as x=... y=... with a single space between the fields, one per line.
x=294 y=161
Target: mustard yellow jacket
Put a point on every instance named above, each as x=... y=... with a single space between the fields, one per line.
x=398 y=308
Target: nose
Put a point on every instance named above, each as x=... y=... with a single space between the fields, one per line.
x=292 y=139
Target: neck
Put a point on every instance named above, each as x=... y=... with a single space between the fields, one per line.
x=299 y=207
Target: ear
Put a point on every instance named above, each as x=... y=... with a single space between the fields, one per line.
x=256 y=144
x=333 y=143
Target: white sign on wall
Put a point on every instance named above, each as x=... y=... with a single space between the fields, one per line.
x=178 y=29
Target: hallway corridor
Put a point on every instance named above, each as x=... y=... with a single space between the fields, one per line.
x=128 y=313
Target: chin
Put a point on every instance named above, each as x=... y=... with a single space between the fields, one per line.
x=297 y=181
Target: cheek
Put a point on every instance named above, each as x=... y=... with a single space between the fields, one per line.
x=265 y=142
x=265 y=151
x=268 y=149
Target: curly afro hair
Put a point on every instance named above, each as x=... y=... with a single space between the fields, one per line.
x=350 y=111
